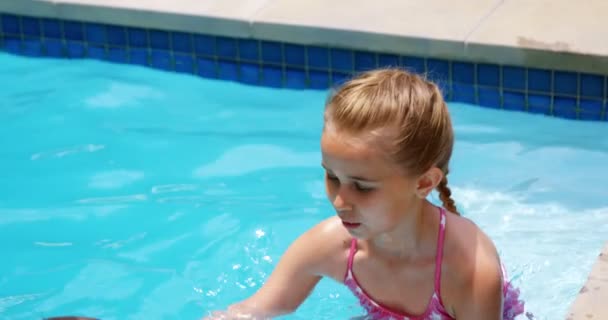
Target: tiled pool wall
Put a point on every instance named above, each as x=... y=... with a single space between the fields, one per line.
x=563 y=94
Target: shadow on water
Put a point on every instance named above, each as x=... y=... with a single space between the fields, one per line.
x=481 y=125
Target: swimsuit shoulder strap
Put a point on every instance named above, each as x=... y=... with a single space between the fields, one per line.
x=439 y=254
x=351 y=255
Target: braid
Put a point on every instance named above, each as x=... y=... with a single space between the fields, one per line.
x=445 y=194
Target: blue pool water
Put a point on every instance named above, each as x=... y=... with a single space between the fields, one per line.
x=128 y=193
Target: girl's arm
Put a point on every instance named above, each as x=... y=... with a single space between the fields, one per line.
x=294 y=277
x=478 y=293
x=482 y=297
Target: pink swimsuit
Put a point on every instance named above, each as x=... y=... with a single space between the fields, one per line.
x=435 y=309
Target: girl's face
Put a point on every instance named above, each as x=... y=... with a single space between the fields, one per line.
x=369 y=192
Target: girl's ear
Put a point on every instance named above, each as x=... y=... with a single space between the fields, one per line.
x=428 y=181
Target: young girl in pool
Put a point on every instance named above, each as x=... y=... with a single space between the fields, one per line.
x=386 y=144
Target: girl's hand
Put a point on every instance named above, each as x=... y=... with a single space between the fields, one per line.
x=230 y=315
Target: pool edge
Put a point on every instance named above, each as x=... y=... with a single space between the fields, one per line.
x=295 y=29
x=590 y=302
x=313 y=45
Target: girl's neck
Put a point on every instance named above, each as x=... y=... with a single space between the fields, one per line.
x=413 y=237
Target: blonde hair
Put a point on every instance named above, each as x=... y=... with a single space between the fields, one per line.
x=406 y=110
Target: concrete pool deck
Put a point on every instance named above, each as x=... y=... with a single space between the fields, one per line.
x=550 y=34
x=592 y=299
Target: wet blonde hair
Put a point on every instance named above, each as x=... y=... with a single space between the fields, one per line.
x=407 y=113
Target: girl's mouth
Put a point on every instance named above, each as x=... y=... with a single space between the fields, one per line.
x=350 y=225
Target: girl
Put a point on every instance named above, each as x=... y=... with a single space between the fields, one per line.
x=386 y=144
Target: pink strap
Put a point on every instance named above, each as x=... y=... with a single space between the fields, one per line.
x=351 y=254
x=439 y=254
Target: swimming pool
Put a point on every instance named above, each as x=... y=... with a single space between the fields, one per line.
x=130 y=193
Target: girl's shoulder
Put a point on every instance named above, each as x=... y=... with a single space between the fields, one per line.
x=468 y=255
x=327 y=244
x=466 y=244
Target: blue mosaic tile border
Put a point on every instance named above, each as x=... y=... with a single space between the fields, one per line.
x=284 y=65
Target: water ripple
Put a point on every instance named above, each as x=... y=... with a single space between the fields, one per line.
x=115 y=179
x=259 y=157
x=168 y=188
x=65 y=152
x=114 y=200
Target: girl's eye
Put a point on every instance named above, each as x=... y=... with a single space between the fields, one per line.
x=332 y=178
x=361 y=188
x=358 y=187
